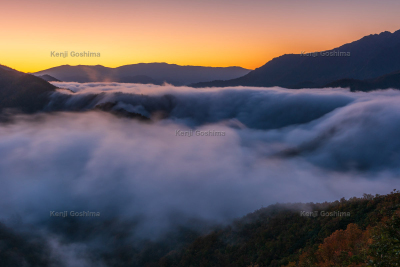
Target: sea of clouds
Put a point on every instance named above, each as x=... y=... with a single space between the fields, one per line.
x=279 y=145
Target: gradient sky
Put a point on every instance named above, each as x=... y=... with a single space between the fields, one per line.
x=245 y=33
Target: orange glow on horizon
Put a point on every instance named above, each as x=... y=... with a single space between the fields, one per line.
x=216 y=33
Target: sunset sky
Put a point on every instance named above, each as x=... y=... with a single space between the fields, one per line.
x=245 y=33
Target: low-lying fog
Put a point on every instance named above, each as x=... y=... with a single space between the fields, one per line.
x=259 y=146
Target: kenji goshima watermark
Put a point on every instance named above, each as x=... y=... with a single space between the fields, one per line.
x=324 y=214
x=190 y=133
x=65 y=213
x=65 y=54
x=325 y=54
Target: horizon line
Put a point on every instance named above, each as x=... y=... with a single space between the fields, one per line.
x=70 y=65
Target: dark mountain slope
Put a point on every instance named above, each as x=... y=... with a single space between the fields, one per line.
x=369 y=57
x=49 y=78
x=24 y=92
x=391 y=80
x=6 y=68
x=295 y=234
x=283 y=233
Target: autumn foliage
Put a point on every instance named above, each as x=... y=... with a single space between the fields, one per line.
x=377 y=245
x=279 y=236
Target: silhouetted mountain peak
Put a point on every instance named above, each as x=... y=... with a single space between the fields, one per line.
x=24 y=92
x=156 y=73
x=7 y=68
x=371 y=56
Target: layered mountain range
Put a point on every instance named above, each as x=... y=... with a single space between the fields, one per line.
x=368 y=58
x=391 y=80
x=371 y=63
x=145 y=73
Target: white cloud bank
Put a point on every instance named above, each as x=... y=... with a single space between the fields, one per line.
x=279 y=146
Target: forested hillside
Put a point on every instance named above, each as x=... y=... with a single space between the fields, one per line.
x=367 y=234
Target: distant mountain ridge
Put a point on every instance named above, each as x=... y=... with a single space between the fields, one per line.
x=49 y=78
x=371 y=56
x=155 y=73
x=387 y=81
